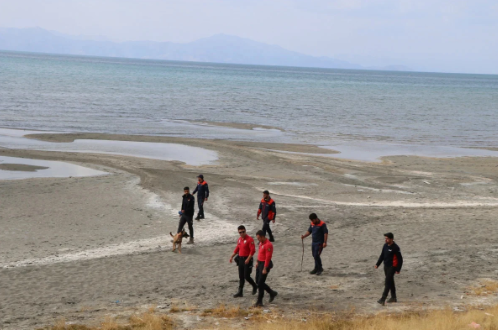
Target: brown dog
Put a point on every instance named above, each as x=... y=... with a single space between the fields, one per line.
x=177 y=240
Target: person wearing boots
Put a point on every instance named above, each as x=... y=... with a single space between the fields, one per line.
x=268 y=213
x=245 y=249
x=265 y=264
x=202 y=191
x=187 y=214
x=393 y=261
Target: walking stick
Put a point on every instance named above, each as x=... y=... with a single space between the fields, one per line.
x=302 y=258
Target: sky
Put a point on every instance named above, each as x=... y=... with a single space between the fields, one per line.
x=428 y=35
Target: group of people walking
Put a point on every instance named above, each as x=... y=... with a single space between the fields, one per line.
x=244 y=252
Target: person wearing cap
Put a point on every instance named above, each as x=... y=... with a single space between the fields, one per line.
x=187 y=213
x=393 y=261
x=265 y=264
x=268 y=212
x=319 y=235
x=245 y=249
x=203 y=194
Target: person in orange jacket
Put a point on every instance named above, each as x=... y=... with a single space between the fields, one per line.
x=268 y=212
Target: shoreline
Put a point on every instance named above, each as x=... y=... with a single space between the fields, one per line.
x=366 y=151
x=442 y=211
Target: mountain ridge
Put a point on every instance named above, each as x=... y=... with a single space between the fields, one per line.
x=219 y=48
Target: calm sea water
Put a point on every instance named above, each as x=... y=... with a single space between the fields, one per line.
x=324 y=106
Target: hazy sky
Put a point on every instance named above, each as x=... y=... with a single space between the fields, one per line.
x=442 y=35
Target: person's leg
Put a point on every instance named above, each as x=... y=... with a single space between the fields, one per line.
x=240 y=266
x=200 y=204
x=242 y=270
x=267 y=229
x=262 y=287
x=190 y=227
x=393 y=286
x=313 y=252
x=319 y=258
x=270 y=234
x=181 y=223
x=247 y=275
x=389 y=271
x=258 y=272
x=317 y=251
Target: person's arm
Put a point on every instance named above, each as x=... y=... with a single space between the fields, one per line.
x=207 y=191
x=307 y=233
x=325 y=235
x=192 y=204
x=259 y=210
x=252 y=251
x=400 y=261
x=274 y=210
x=195 y=190
x=235 y=252
x=381 y=259
x=269 y=254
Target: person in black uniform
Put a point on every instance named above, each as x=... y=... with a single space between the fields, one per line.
x=319 y=234
x=393 y=261
x=187 y=214
x=203 y=194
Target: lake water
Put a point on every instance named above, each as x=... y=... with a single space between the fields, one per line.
x=321 y=106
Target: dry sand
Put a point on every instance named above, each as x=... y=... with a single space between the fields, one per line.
x=84 y=247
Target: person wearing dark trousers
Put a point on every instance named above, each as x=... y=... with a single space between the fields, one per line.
x=268 y=213
x=202 y=191
x=245 y=249
x=265 y=264
x=187 y=214
x=393 y=261
x=319 y=235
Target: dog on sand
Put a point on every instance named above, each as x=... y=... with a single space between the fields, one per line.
x=177 y=240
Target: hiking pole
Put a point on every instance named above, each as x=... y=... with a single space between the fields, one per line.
x=302 y=258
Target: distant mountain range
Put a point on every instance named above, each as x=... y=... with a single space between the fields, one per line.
x=219 y=48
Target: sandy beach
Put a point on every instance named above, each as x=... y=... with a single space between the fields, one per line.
x=83 y=247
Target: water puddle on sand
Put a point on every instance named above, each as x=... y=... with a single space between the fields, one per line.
x=12 y=168
x=373 y=152
x=14 y=139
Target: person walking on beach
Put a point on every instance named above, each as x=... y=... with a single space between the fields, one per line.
x=203 y=194
x=245 y=249
x=393 y=261
x=319 y=235
x=268 y=213
x=187 y=214
x=265 y=264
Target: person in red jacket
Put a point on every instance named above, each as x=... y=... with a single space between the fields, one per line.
x=245 y=249
x=268 y=213
x=265 y=254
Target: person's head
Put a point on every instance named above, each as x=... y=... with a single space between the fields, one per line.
x=242 y=231
x=266 y=194
x=186 y=190
x=389 y=238
x=200 y=178
x=314 y=218
x=260 y=235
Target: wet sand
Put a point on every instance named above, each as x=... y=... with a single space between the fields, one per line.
x=85 y=247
